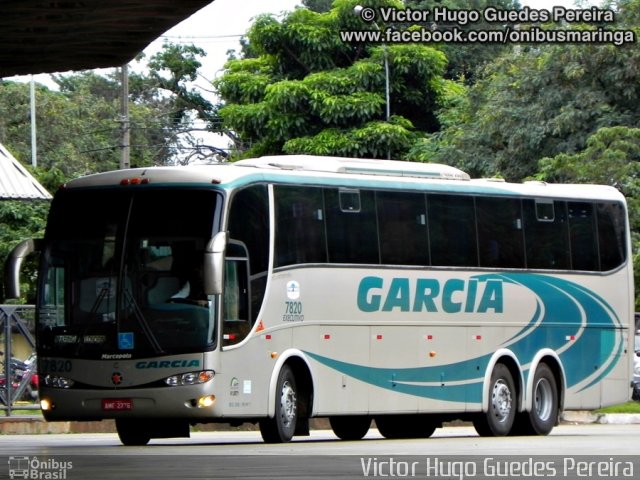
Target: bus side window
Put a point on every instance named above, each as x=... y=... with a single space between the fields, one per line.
x=452 y=230
x=546 y=234
x=300 y=230
x=582 y=232
x=611 y=237
x=352 y=231
x=249 y=224
x=500 y=236
x=402 y=228
x=236 y=308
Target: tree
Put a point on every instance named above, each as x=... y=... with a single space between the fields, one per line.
x=307 y=91
x=319 y=6
x=536 y=102
x=166 y=88
x=467 y=59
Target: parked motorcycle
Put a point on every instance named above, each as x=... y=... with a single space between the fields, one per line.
x=23 y=379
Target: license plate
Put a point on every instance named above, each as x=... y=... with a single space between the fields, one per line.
x=117 y=404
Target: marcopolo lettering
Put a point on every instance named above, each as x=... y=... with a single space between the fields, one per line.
x=168 y=364
x=430 y=295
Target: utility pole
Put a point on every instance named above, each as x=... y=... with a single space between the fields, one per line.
x=387 y=91
x=34 y=145
x=124 y=119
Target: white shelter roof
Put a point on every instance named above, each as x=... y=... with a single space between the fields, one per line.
x=16 y=182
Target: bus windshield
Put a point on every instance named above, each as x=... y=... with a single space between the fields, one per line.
x=122 y=273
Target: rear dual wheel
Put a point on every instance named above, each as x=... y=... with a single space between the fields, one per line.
x=501 y=413
x=544 y=409
x=502 y=417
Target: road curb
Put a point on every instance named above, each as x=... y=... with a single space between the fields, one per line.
x=578 y=417
x=35 y=425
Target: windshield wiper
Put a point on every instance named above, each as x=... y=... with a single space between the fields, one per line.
x=104 y=292
x=144 y=325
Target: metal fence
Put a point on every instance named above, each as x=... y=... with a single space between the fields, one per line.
x=16 y=322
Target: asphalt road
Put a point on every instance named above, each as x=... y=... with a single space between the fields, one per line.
x=571 y=451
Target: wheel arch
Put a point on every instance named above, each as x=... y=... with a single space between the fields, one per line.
x=305 y=381
x=509 y=359
x=551 y=359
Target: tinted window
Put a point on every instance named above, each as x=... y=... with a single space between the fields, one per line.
x=452 y=231
x=547 y=239
x=249 y=225
x=582 y=233
x=352 y=235
x=300 y=236
x=611 y=235
x=402 y=221
x=500 y=235
x=346 y=225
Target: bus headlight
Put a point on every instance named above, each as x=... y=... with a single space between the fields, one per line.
x=46 y=405
x=191 y=378
x=56 y=381
x=206 y=402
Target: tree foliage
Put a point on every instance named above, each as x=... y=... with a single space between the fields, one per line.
x=307 y=91
x=465 y=60
x=319 y=6
x=538 y=102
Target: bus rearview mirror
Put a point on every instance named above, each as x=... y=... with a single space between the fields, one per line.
x=214 y=264
x=13 y=265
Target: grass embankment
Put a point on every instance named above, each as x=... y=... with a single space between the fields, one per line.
x=629 y=407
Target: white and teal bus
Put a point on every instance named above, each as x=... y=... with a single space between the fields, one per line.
x=280 y=289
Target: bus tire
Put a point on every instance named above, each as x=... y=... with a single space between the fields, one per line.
x=132 y=433
x=352 y=427
x=544 y=409
x=405 y=426
x=281 y=427
x=500 y=416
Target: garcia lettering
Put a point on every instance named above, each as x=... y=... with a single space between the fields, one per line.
x=168 y=364
x=430 y=295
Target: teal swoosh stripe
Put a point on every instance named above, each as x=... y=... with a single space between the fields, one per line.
x=399 y=380
x=564 y=310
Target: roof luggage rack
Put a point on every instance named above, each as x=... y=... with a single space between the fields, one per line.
x=392 y=168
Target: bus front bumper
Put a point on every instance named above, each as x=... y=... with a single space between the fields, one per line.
x=188 y=402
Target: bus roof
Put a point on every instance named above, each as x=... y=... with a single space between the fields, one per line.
x=341 y=172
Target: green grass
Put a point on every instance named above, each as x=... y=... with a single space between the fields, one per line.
x=629 y=407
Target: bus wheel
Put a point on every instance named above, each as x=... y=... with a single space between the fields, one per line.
x=352 y=427
x=131 y=432
x=281 y=427
x=500 y=416
x=405 y=426
x=544 y=412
